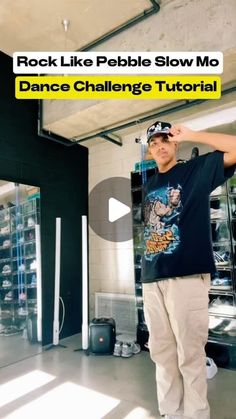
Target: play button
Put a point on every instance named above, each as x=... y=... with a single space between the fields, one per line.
x=110 y=209
x=117 y=210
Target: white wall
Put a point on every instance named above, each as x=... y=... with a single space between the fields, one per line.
x=111 y=264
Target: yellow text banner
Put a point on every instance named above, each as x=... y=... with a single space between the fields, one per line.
x=118 y=87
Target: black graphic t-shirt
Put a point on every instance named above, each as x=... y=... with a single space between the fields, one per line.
x=176 y=211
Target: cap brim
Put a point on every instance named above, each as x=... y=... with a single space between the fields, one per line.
x=161 y=133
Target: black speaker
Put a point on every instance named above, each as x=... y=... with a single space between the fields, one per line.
x=102 y=336
x=31 y=325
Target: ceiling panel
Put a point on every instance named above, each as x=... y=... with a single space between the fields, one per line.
x=37 y=25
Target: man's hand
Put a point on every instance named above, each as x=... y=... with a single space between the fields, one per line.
x=222 y=142
x=179 y=133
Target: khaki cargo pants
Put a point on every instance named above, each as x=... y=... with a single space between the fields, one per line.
x=176 y=313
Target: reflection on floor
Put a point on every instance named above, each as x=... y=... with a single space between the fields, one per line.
x=64 y=383
x=14 y=348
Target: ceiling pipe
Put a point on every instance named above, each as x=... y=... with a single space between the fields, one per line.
x=139 y=18
x=187 y=104
x=144 y=15
x=112 y=140
x=46 y=134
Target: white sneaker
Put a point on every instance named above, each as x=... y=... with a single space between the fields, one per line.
x=211 y=368
x=21 y=268
x=117 y=349
x=6 y=243
x=22 y=311
x=127 y=351
x=231 y=328
x=33 y=265
x=30 y=222
x=217 y=191
x=136 y=348
x=217 y=213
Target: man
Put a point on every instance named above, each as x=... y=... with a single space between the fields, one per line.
x=177 y=264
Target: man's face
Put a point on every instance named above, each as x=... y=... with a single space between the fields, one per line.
x=162 y=150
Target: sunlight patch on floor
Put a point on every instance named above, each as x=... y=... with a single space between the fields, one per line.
x=138 y=413
x=67 y=400
x=20 y=386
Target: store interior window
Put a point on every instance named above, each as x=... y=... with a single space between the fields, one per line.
x=20 y=272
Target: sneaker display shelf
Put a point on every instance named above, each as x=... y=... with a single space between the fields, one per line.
x=137 y=179
x=18 y=277
x=221 y=344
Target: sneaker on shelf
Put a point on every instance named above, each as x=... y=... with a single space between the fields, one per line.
x=222 y=259
x=230 y=328
x=5 y=230
x=117 y=349
x=211 y=368
x=21 y=268
x=7 y=217
x=22 y=296
x=33 y=265
x=2 y=328
x=30 y=222
x=222 y=283
x=6 y=269
x=222 y=232
x=127 y=351
x=222 y=306
x=217 y=213
x=8 y=296
x=22 y=311
x=6 y=243
x=19 y=227
x=219 y=329
x=217 y=191
x=216 y=305
x=6 y=283
x=214 y=322
x=33 y=281
x=11 y=330
x=30 y=236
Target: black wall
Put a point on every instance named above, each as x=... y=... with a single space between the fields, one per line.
x=62 y=174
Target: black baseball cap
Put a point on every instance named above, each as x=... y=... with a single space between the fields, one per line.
x=158 y=127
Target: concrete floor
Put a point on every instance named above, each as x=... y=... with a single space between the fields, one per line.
x=69 y=384
x=15 y=348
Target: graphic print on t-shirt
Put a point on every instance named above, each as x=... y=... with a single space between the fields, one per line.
x=162 y=209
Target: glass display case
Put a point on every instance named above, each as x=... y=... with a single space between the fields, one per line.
x=222 y=304
x=18 y=265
